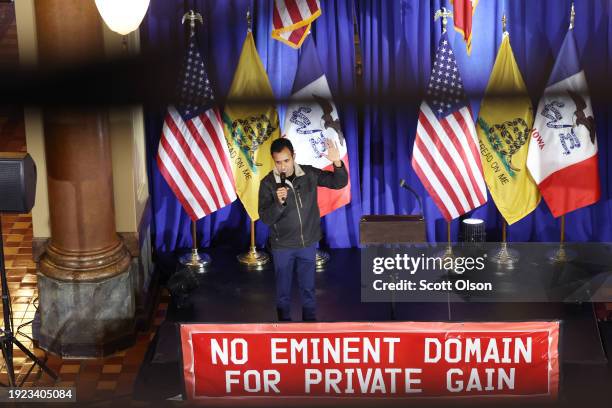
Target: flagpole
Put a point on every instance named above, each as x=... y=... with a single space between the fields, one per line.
x=194 y=259
x=562 y=254
x=192 y=17
x=448 y=248
x=448 y=253
x=254 y=259
x=504 y=256
x=249 y=21
x=444 y=14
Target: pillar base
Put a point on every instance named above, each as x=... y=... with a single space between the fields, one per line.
x=86 y=319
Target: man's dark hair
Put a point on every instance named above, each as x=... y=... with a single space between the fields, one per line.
x=279 y=144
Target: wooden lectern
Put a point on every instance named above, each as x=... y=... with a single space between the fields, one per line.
x=391 y=229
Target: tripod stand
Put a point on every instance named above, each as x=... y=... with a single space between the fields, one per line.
x=7 y=337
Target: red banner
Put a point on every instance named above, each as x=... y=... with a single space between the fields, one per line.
x=371 y=360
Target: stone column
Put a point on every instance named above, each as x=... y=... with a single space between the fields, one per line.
x=85 y=291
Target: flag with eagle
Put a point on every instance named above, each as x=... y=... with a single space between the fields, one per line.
x=311 y=118
x=562 y=156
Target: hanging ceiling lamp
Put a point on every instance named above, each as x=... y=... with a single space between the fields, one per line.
x=122 y=16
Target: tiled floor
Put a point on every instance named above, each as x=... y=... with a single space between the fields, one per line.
x=111 y=378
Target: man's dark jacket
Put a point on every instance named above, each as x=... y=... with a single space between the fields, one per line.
x=298 y=223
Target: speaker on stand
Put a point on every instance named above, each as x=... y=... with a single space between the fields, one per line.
x=17 y=194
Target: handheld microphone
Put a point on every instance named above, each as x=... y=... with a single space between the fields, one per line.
x=283 y=178
x=405 y=185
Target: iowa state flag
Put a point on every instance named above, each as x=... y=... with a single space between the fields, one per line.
x=311 y=118
x=563 y=146
x=504 y=125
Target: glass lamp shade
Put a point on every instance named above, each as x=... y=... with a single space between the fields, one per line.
x=122 y=16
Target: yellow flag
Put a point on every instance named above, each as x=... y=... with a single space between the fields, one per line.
x=250 y=129
x=504 y=126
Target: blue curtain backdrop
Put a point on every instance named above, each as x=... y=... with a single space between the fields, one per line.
x=397 y=41
x=220 y=39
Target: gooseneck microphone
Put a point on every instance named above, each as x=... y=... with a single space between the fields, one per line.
x=405 y=185
x=283 y=178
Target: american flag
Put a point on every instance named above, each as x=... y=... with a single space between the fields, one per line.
x=192 y=154
x=446 y=156
x=292 y=19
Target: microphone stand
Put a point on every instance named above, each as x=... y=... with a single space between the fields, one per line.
x=405 y=185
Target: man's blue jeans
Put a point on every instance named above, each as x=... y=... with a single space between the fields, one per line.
x=302 y=260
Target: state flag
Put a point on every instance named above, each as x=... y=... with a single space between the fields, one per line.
x=308 y=124
x=563 y=147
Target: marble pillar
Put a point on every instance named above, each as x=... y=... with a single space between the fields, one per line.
x=86 y=298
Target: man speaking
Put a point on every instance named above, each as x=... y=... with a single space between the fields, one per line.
x=288 y=204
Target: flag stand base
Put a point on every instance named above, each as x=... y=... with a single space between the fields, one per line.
x=195 y=260
x=447 y=253
x=508 y=258
x=561 y=255
x=254 y=259
x=322 y=259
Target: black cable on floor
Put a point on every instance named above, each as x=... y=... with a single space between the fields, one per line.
x=45 y=357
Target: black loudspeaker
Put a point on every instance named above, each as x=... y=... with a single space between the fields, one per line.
x=17 y=183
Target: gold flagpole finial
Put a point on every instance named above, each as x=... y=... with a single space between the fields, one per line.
x=445 y=14
x=572 y=17
x=192 y=17
x=249 y=22
x=504 y=24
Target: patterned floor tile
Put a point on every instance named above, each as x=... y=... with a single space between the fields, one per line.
x=104 y=381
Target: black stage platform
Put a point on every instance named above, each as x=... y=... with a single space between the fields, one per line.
x=231 y=294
